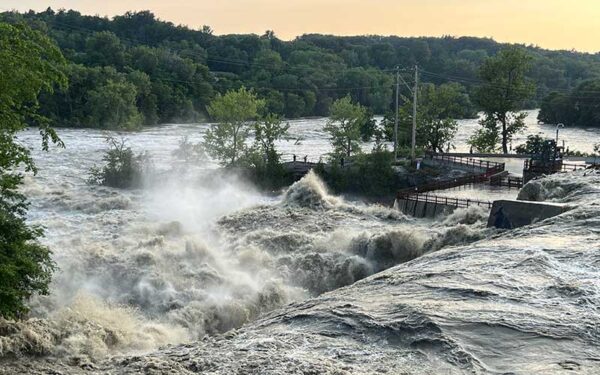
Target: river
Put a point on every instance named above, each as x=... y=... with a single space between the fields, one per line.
x=305 y=282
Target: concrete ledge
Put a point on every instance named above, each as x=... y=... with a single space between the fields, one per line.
x=509 y=214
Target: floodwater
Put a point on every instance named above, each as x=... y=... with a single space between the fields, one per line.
x=313 y=140
x=197 y=272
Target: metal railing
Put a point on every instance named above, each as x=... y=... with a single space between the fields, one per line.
x=551 y=166
x=443 y=184
x=447 y=201
x=507 y=181
x=298 y=158
x=491 y=167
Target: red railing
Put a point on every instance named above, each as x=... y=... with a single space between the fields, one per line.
x=490 y=167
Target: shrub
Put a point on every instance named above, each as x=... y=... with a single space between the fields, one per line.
x=122 y=168
x=365 y=174
x=265 y=173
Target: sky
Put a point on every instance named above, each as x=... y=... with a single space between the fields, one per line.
x=552 y=24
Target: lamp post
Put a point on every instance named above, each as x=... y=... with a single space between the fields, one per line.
x=558 y=126
x=558 y=153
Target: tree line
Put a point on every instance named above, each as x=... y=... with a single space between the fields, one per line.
x=579 y=107
x=37 y=82
x=149 y=71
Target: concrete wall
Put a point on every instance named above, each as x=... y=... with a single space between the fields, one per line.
x=509 y=214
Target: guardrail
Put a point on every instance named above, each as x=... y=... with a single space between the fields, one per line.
x=508 y=181
x=552 y=166
x=491 y=167
x=298 y=158
x=443 y=184
x=488 y=155
x=447 y=201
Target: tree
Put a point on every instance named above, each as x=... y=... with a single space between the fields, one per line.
x=265 y=169
x=317 y=69
x=29 y=64
x=486 y=138
x=233 y=112
x=436 y=126
x=534 y=145
x=557 y=108
x=113 y=105
x=266 y=132
x=344 y=126
x=294 y=105
x=105 y=48
x=503 y=92
x=578 y=108
x=122 y=168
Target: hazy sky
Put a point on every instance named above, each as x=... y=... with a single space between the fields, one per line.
x=555 y=24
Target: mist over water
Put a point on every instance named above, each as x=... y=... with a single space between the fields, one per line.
x=192 y=253
x=196 y=254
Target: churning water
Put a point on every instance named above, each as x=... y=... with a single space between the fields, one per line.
x=198 y=272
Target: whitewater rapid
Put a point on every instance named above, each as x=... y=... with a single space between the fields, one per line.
x=198 y=272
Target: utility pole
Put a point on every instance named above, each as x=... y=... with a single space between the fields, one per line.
x=414 y=126
x=397 y=109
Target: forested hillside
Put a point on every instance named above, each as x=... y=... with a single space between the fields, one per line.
x=135 y=70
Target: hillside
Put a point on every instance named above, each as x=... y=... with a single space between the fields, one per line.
x=135 y=69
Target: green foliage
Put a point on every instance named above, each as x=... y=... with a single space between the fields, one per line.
x=234 y=113
x=185 y=67
x=104 y=49
x=267 y=131
x=535 y=144
x=263 y=163
x=504 y=91
x=30 y=64
x=344 y=126
x=578 y=108
x=557 y=108
x=370 y=175
x=267 y=174
x=122 y=168
x=486 y=138
x=436 y=126
x=404 y=125
x=25 y=266
x=369 y=128
x=113 y=105
x=437 y=108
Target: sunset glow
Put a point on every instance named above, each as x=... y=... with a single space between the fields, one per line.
x=554 y=24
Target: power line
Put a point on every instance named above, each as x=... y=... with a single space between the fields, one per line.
x=481 y=82
x=285 y=66
x=133 y=43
